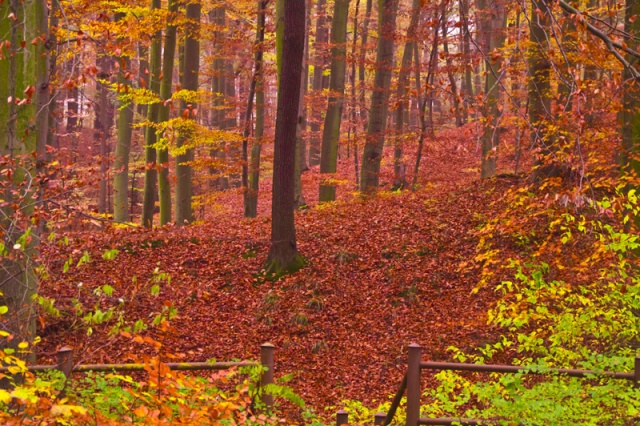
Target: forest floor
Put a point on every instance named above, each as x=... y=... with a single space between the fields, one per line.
x=382 y=273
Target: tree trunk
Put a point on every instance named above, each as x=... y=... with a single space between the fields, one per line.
x=399 y=168
x=629 y=158
x=184 y=184
x=250 y=177
x=151 y=170
x=452 y=80
x=283 y=256
x=298 y=198
x=466 y=51
x=362 y=66
x=322 y=37
x=164 y=186
x=123 y=146
x=333 y=118
x=540 y=90
x=492 y=31
x=23 y=131
x=372 y=156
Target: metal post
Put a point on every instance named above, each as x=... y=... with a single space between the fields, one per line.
x=636 y=371
x=342 y=418
x=266 y=359
x=413 y=385
x=379 y=418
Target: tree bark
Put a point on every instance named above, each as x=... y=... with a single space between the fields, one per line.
x=250 y=177
x=333 y=117
x=372 y=156
x=150 y=136
x=123 y=146
x=184 y=184
x=283 y=255
x=492 y=31
x=540 y=90
x=399 y=168
x=322 y=37
x=630 y=154
x=164 y=186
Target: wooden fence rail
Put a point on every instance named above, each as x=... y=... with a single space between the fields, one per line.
x=64 y=357
x=411 y=383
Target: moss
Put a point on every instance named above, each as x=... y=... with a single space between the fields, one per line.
x=274 y=270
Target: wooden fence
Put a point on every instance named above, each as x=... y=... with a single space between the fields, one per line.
x=65 y=364
x=411 y=384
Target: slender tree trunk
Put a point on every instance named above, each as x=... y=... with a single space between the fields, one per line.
x=362 y=66
x=151 y=170
x=466 y=51
x=184 y=184
x=540 y=90
x=399 y=167
x=333 y=118
x=283 y=256
x=298 y=198
x=493 y=26
x=422 y=103
x=452 y=80
x=372 y=156
x=123 y=146
x=102 y=127
x=322 y=38
x=251 y=172
x=164 y=186
x=354 y=100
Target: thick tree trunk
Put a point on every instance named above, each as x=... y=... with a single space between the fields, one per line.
x=164 y=186
x=283 y=255
x=184 y=184
x=322 y=38
x=251 y=171
x=372 y=156
x=151 y=170
x=333 y=117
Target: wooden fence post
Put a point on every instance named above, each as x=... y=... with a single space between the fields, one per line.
x=636 y=371
x=342 y=418
x=413 y=385
x=379 y=418
x=266 y=359
x=64 y=356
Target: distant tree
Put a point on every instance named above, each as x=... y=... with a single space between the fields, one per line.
x=321 y=39
x=399 y=167
x=283 y=255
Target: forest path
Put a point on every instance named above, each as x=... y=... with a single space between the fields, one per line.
x=382 y=273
